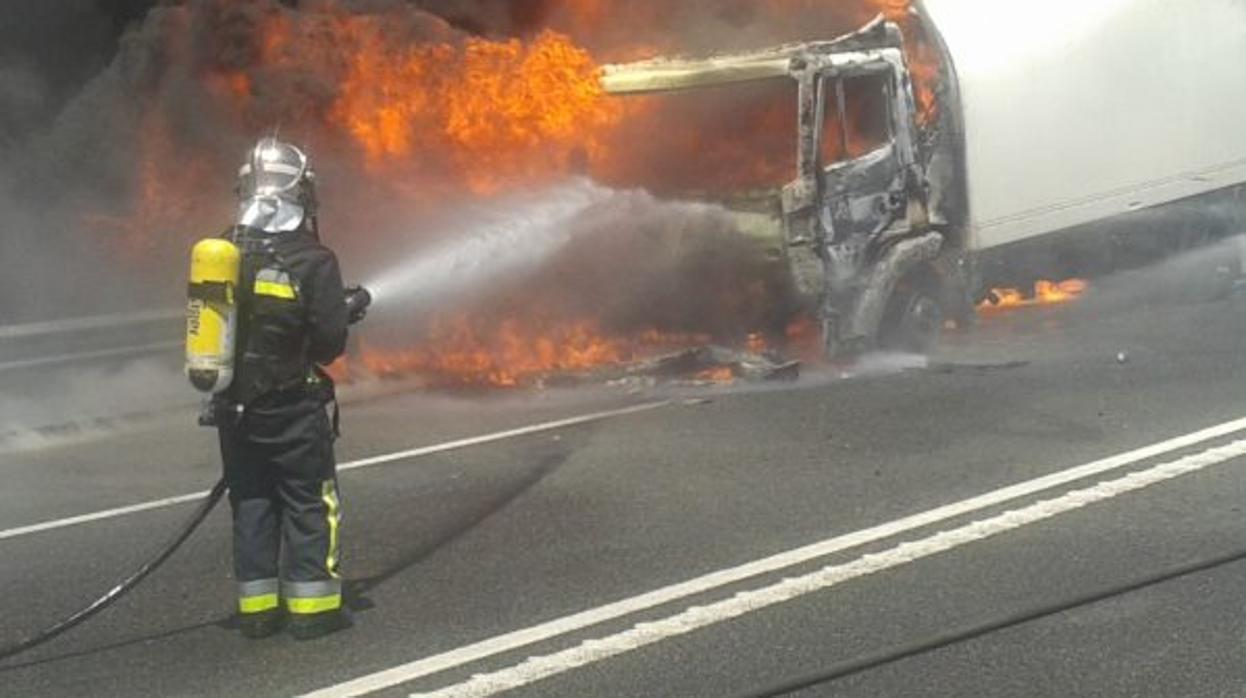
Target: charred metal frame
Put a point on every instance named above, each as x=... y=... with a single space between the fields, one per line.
x=860 y=269
x=848 y=273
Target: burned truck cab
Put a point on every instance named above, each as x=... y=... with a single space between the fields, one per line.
x=851 y=223
x=857 y=213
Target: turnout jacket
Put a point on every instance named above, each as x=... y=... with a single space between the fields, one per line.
x=292 y=313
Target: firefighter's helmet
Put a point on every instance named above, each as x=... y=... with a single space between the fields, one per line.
x=276 y=187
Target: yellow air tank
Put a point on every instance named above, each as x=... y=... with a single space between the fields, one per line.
x=212 y=314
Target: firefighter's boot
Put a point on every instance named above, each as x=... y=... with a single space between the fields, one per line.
x=314 y=625
x=257 y=626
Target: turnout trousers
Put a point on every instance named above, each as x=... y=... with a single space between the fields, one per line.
x=279 y=464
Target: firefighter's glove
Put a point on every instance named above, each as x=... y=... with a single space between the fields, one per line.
x=357 y=301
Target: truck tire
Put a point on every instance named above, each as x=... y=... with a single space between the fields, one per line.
x=914 y=317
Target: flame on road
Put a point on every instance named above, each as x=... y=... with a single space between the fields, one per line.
x=463 y=352
x=1044 y=293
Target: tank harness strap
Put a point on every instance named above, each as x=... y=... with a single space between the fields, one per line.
x=211 y=291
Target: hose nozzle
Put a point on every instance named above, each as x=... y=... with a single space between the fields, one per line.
x=358 y=299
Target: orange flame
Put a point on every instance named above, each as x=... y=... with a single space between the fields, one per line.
x=503 y=111
x=1045 y=293
x=460 y=352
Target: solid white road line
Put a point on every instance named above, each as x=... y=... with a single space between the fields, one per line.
x=520 y=638
x=502 y=435
x=101 y=515
x=535 y=669
x=353 y=465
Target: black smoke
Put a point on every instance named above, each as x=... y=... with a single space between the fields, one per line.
x=48 y=51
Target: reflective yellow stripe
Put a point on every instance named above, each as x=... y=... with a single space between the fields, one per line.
x=314 y=605
x=276 y=290
x=329 y=494
x=258 y=604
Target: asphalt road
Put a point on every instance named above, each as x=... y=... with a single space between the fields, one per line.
x=450 y=549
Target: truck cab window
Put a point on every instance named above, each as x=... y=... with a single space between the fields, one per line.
x=857 y=117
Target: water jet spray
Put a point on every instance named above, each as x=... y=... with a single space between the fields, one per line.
x=502 y=241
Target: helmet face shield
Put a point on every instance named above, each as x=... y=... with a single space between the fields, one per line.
x=271 y=214
x=275 y=187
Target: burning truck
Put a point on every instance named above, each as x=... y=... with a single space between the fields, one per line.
x=927 y=157
x=876 y=185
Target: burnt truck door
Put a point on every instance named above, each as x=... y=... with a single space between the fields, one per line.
x=862 y=187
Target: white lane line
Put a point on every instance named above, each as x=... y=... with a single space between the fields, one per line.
x=535 y=669
x=502 y=435
x=353 y=465
x=101 y=515
x=520 y=638
x=87 y=355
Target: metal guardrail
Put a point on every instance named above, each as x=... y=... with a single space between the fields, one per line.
x=101 y=337
x=81 y=324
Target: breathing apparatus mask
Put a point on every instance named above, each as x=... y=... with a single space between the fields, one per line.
x=276 y=188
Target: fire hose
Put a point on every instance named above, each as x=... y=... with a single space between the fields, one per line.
x=127 y=584
x=215 y=269
x=954 y=637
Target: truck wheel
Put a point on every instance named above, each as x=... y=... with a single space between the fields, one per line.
x=913 y=320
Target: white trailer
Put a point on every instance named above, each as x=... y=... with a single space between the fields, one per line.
x=1076 y=111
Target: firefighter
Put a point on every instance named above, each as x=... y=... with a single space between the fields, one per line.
x=277 y=420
